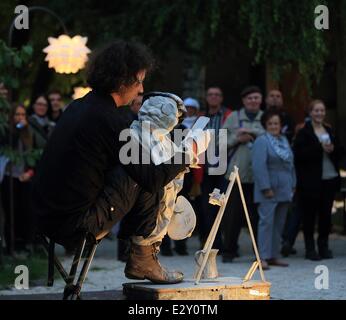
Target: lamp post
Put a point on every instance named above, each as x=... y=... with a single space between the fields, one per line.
x=31 y=9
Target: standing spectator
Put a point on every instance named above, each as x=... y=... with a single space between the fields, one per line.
x=275 y=181
x=275 y=101
x=192 y=107
x=218 y=115
x=316 y=157
x=243 y=127
x=55 y=99
x=22 y=143
x=39 y=121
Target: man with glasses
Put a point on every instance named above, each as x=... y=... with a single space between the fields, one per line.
x=218 y=115
x=243 y=127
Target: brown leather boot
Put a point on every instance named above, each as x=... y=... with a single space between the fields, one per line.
x=144 y=264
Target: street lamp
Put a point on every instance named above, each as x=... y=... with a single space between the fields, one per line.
x=64 y=54
x=67 y=55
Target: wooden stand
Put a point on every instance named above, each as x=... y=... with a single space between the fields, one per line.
x=201 y=288
x=227 y=288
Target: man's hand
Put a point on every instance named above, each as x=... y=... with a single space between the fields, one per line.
x=241 y=131
x=25 y=177
x=268 y=193
x=245 y=138
x=329 y=148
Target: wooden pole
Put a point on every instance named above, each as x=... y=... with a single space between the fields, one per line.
x=250 y=227
x=209 y=243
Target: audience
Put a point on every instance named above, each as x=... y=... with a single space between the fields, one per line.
x=258 y=144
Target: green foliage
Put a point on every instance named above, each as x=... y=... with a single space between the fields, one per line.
x=11 y=61
x=28 y=157
x=279 y=32
x=36 y=264
x=283 y=34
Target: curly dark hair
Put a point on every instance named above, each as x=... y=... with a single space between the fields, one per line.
x=118 y=64
x=268 y=114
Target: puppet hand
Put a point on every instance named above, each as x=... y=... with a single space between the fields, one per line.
x=202 y=139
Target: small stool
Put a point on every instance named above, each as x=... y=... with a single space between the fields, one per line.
x=86 y=249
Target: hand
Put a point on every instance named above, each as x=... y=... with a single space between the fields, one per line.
x=241 y=131
x=195 y=144
x=329 y=148
x=268 y=193
x=24 y=122
x=245 y=138
x=25 y=177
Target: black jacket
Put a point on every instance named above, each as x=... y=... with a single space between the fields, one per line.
x=83 y=147
x=308 y=154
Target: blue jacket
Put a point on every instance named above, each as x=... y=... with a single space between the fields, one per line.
x=271 y=172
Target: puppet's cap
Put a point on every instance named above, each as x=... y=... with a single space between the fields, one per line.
x=183 y=221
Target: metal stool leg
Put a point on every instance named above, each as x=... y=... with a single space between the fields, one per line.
x=48 y=247
x=72 y=291
x=83 y=273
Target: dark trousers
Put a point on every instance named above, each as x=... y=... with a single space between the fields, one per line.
x=121 y=198
x=208 y=212
x=23 y=219
x=234 y=217
x=317 y=206
x=293 y=223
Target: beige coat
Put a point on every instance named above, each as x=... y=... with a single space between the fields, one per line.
x=241 y=152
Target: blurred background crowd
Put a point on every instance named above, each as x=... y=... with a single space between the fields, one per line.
x=290 y=173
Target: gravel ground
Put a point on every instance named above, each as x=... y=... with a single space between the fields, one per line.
x=295 y=282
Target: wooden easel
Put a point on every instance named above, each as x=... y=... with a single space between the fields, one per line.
x=221 y=200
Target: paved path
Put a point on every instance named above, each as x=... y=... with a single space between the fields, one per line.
x=295 y=282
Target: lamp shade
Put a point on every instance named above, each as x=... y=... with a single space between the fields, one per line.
x=66 y=54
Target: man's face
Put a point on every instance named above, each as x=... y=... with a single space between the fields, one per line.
x=56 y=101
x=274 y=99
x=128 y=94
x=252 y=102
x=214 y=98
x=136 y=104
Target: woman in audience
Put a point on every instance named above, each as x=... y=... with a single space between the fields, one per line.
x=39 y=121
x=316 y=157
x=275 y=181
